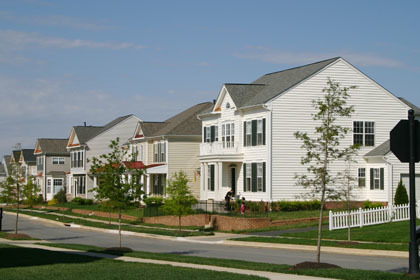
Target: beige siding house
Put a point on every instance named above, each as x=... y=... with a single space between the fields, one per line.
x=166 y=148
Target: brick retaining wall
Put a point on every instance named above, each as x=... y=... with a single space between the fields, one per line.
x=191 y=220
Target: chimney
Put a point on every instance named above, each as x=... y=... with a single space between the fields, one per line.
x=214 y=101
x=85 y=123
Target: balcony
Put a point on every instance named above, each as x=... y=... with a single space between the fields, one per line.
x=219 y=148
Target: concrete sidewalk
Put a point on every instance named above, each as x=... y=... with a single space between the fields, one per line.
x=266 y=274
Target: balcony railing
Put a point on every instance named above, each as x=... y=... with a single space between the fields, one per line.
x=219 y=148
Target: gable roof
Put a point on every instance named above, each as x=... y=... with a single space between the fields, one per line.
x=2 y=170
x=184 y=123
x=6 y=161
x=273 y=84
x=381 y=150
x=28 y=156
x=15 y=156
x=51 y=146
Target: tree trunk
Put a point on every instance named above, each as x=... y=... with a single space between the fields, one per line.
x=119 y=227
x=179 y=223
x=17 y=209
x=321 y=217
x=348 y=216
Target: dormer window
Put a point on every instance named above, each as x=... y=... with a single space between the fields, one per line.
x=227 y=105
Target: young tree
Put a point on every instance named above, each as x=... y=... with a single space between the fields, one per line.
x=324 y=148
x=118 y=180
x=180 y=199
x=30 y=192
x=401 y=196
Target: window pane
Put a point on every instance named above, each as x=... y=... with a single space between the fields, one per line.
x=358 y=139
x=369 y=140
x=357 y=127
x=370 y=127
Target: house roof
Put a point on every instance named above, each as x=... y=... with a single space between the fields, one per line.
x=2 y=170
x=28 y=156
x=53 y=146
x=184 y=123
x=16 y=155
x=56 y=173
x=273 y=84
x=6 y=161
x=381 y=150
x=412 y=106
x=85 y=133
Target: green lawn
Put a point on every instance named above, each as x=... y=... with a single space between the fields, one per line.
x=282 y=215
x=25 y=263
x=136 y=212
x=350 y=274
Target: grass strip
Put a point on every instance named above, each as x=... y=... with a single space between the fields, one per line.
x=11 y=236
x=35 y=264
x=115 y=227
x=347 y=274
x=330 y=243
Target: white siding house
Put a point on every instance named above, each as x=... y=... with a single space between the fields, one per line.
x=264 y=157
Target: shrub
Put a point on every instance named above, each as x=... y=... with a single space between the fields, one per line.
x=289 y=206
x=61 y=196
x=82 y=201
x=369 y=204
x=401 y=196
x=53 y=201
x=153 y=201
x=40 y=199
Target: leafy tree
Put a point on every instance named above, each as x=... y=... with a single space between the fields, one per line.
x=30 y=192
x=401 y=196
x=12 y=192
x=118 y=180
x=324 y=147
x=180 y=198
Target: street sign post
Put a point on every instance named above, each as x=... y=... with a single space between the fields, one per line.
x=404 y=144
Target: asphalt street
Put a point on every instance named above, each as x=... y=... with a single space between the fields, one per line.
x=60 y=234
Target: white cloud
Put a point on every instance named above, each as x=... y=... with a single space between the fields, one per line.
x=292 y=57
x=17 y=40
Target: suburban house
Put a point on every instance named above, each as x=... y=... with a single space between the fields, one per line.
x=3 y=174
x=6 y=165
x=165 y=148
x=248 y=135
x=52 y=164
x=27 y=162
x=86 y=142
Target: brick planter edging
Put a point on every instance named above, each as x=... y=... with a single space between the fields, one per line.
x=51 y=207
x=104 y=214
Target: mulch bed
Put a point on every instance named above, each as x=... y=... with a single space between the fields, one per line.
x=313 y=265
x=119 y=249
x=18 y=236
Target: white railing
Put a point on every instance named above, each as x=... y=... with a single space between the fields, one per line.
x=217 y=148
x=374 y=216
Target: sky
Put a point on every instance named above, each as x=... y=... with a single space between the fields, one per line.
x=63 y=63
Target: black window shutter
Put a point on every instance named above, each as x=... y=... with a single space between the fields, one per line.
x=263 y=131
x=254 y=132
x=212 y=133
x=245 y=144
x=371 y=179
x=382 y=178
x=244 y=170
x=264 y=180
x=212 y=177
x=254 y=176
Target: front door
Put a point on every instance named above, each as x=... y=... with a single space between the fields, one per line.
x=233 y=179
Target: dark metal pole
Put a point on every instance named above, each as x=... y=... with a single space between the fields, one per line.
x=413 y=251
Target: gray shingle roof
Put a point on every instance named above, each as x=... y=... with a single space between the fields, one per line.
x=273 y=84
x=411 y=105
x=53 y=146
x=184 y=123
x=28 y=156
x=16 y=155
x=85 y=133
x=381 y=150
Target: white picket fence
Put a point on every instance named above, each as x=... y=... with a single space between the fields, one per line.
x=374 y=216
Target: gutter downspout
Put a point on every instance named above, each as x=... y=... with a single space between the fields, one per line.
x=269 y=149
x=390 y=170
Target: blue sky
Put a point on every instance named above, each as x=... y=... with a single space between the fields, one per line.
x=63 y=63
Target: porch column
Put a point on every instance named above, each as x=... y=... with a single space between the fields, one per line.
x=201 y=181
x=148 y=184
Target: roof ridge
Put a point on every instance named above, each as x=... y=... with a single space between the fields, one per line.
x=332 y=59
x=240 y=84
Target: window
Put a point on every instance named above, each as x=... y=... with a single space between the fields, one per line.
x=49 y=186
x=254 y=133
x=207 y=134
x=58 y=160
x=362 y=177
x=39 y=164
x=80 y=184
x=248 y=177
x=248 y=132
x=216 y=133
x=163 y=152
x=159 y=152
x=210 y=177
x=227 y=105
x=76 y=159
x=259 y=132
x=377 y=178
x=58 y=185
x=141 y=153
x=364 y=133
x=134 y=152
x=260 y=177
